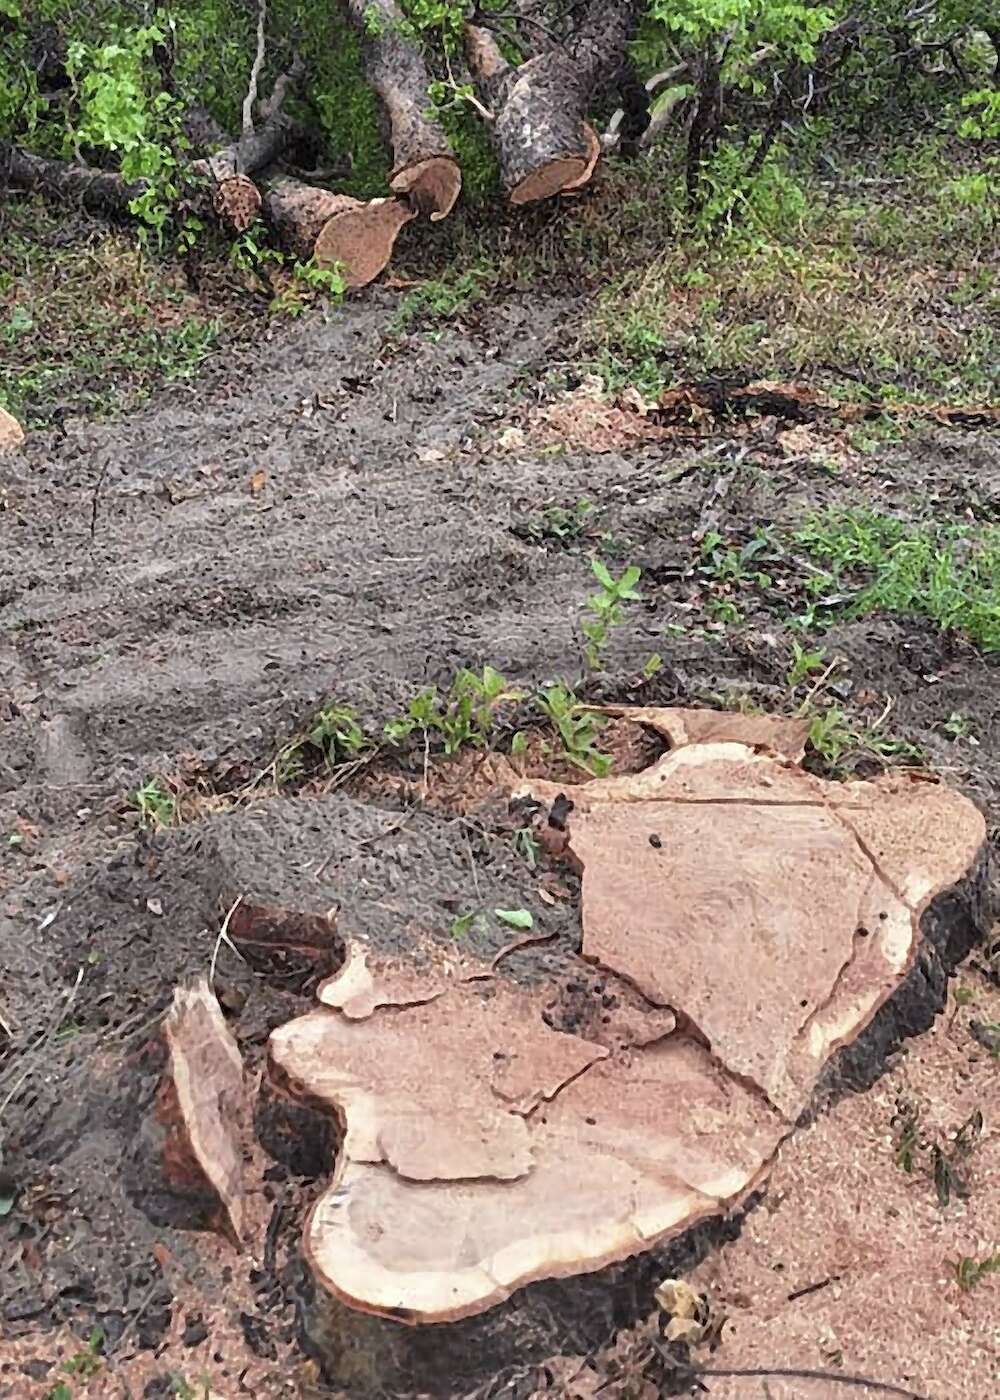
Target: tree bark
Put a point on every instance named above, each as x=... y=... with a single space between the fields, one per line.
x=424 y=166
x=235 y=199
x=102 y=192
x=539 y=109
x=187 y=1165
x=335 y=229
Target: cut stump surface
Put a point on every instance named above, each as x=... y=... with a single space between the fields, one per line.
x=742 y=921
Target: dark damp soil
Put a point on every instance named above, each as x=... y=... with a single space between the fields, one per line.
x=331 y=515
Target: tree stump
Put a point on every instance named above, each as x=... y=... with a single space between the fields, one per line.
x=513 y=1158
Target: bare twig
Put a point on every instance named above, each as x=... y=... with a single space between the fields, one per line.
x=224 y=938
x=250 y=101
x=793 y=1373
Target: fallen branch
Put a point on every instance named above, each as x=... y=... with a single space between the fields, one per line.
x=103 y=192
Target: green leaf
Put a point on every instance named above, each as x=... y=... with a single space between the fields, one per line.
x=462 y=924
x=601 y=574
x=516 y=918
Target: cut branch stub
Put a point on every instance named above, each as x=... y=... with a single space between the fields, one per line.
x=335 y=229
x=424 y=167
x=494 y=1141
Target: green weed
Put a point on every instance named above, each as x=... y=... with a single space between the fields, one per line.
x=604 y=609
x=561 y=525
x=804 y=663
x=833 y=736
x=578 y=729
x=336 y=732
x=465 y=714
x=527 y=846
x=156 y=804
x=439 y=299
x=949 y=574
x=970 y=1271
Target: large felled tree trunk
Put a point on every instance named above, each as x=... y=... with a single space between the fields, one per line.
x=334 y=229
x=538 y=110
x=424 y=166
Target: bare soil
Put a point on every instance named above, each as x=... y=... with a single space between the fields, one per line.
x=338 y=513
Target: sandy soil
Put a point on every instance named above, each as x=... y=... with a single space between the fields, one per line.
x=335 y=515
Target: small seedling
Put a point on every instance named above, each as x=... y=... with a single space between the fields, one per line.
x=725 y=611
x=831 y=736
x=653 y=665
x=88 y=1362
x=460 y=926
x=970 y=1271
x=561 y=525
x=905 y=1123
x=467 y=714
x=957 y=726
x=804 y=663
x=157 y=807
x=578 y=729
x=605 y=608
x=338 y=735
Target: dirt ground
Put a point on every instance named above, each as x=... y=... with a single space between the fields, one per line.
x=341 y=513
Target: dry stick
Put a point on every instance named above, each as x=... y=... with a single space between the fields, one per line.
x=224 y=938
x=136 y=1317
x=250 y=100
x=793 y=1373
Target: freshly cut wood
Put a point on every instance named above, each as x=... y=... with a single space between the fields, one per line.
x=495 y=1137
x=783 y=735
x=335 y=229
x=593 y=156
x=229 y=164
x=424 y=166
x=202 y=1119
x=11 y=432
x=365 y=983
x=538 y=110
x=235 y=197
